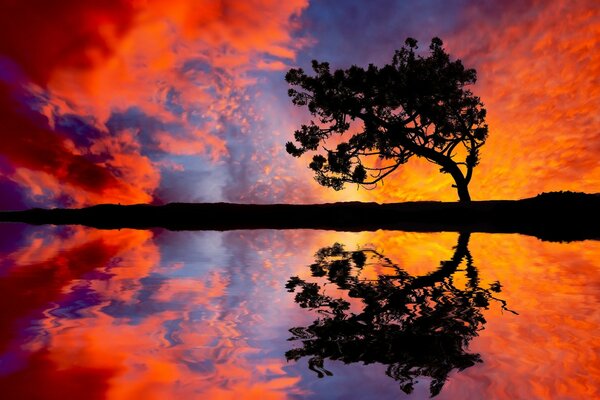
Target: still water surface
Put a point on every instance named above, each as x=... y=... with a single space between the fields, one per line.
x=132 y=314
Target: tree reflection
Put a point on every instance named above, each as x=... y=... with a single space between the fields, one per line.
x=417 y=326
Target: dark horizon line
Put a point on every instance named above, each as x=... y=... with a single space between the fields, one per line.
x=557 y=216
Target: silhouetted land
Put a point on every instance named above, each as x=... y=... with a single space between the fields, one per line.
x=559 y=216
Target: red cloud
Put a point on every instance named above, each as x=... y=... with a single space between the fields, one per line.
x=96 y=58
x=42 y=36
x=28 y=142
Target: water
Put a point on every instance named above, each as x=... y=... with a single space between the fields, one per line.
x=127 y=314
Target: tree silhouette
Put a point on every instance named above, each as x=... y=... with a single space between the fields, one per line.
x=415 y=106
x=417 y=326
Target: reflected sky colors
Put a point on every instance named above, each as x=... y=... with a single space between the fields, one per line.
x=155 y=101
x=159 y=315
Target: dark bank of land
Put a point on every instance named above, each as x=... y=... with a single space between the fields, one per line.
x=560 y=216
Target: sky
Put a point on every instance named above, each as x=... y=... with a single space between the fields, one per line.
x=152 y=101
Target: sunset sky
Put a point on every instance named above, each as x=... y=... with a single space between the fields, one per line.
x=132 y=101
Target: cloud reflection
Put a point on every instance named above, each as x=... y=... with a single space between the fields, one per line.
x=418 y=326
x=140 y=314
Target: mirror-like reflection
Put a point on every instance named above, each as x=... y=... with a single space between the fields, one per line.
x=169 y=315
x=415 y=325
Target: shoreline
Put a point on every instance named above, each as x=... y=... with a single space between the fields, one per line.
x=552 y=216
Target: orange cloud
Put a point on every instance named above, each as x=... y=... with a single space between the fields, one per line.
x=31 y=145
x=539 y=80
x=149 y=61
x=181 y=62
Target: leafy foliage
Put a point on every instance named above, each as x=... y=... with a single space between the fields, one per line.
x=414 y=106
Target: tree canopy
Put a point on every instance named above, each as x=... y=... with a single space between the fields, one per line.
x=416 y=106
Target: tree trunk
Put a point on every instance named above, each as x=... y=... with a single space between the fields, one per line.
x=447 y=268
x=461 y=184
x=463 y=192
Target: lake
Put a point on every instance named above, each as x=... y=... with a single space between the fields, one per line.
x=298 y=314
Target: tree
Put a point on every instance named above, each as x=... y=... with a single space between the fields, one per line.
x=415 y=106
x=417 y=326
